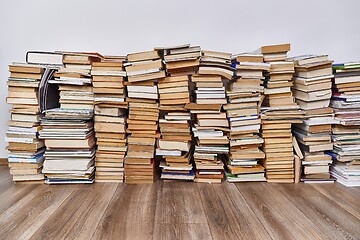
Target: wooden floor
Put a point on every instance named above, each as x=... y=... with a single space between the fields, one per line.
x=178 y=211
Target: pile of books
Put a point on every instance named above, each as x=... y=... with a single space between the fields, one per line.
x=244 y=97
x=346 y=135
x=312 y=91
x=70 y=146
x=110 y=118
x=143 y=115
x=211 y=124
x=279 y=111
x=26 y=150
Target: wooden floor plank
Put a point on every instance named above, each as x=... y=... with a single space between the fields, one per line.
x=14 y=193
x=249 y=224
x=281 y=219
x=221 y=218
x=22 y=219
x=178 y=202
x=81 y=211
x=335 y=221
x=194 y=231
x=130 y=214
x=343 y=196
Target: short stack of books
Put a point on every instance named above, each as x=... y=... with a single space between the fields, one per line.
x=279 y=111
x=143 y=70
x=346 y=135
x=110 y=118
x=211 y=124
x=242 y=112
x=70 y=146
x=175 y=146
x=312 y=91
x=181 y=60
x=25 y=149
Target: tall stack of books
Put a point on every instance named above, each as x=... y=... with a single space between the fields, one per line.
x=346 y=135
x=312 y=91
x=69 y=130
x=110 y=118
x=244 y=97
x=143 y=70
x=70 y=146
x=175 y=144
x=25 y=149
x=211 y=124
x=279 y=111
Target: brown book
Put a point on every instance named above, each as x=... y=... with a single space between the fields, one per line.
x=118 y=85
x=143 y=56
x=108 y=164
x=144 y=66
x=36 y=76
x=250 y=58
x=275 y=48
x=107 y=79
x=182 y=64
x=26 y=69
x=147 y=76
x=132 y=160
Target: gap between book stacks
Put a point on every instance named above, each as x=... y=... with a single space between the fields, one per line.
x=181 y=113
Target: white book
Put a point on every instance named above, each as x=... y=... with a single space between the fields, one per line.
x=143 y=89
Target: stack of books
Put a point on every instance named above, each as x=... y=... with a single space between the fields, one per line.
x=110 y=118
x=244 y=97
x=346 y=135
x=175 y=146
x=143 y=70
x=25 y=149
x=279 y=111
x=70 y=146
x=69 y=130
x=182 y=60
x=312 y=91
x=211 y=124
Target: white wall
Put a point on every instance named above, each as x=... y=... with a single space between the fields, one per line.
x=119 y=27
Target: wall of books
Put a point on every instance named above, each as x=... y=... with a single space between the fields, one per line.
x=182 y=113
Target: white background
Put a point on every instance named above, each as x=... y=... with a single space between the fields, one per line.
x=120 y=27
